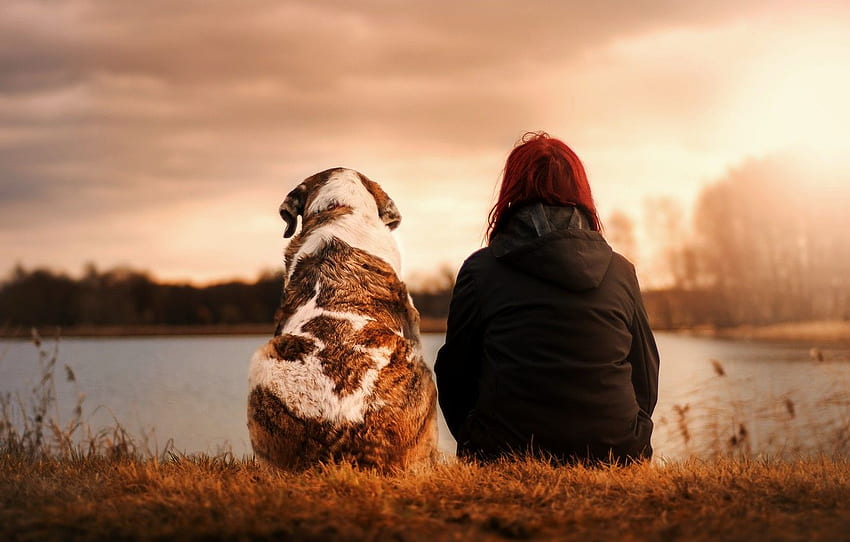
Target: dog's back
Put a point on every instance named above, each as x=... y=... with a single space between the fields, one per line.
x=343 y=379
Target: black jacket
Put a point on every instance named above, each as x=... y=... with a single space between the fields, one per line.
x=548 y=347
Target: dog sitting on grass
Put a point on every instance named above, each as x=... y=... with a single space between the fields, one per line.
x=343 y=378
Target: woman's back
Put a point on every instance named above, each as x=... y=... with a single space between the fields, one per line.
x=555 y=313
x=548 y=347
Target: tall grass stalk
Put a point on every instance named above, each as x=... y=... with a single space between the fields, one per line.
x=32 y=425
x=732 y=416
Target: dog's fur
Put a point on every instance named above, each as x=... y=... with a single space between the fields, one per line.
x=343 y=379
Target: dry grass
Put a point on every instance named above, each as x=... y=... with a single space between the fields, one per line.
x=736 y=415
x=31 y=424
x=95 y=498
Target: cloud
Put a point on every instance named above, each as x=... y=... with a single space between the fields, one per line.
x=119 y=112
x=315 y=42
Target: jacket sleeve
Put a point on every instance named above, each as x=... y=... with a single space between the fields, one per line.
x=458 y=363
x=644 y=360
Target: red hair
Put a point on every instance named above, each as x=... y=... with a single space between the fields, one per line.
x=544 y=169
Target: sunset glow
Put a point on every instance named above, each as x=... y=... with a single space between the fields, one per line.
x=164 y=138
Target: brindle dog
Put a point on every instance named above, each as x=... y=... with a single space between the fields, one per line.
x=343 y=378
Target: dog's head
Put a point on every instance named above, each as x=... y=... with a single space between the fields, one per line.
x=337 y=188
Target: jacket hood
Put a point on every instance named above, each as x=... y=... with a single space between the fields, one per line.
x=553 y=243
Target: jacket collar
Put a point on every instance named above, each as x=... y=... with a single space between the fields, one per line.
x=554 y=243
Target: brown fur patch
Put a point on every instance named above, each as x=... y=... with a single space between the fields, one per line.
x=326 y=216
x=361 y=283
x=290 y=347
x=354 y=281
x=281 y=437
x=310 y=223
x=385 y=440
x=376 y=335
x=387 y=209
x=341 y=360
x=320 y=179
x=381 y=198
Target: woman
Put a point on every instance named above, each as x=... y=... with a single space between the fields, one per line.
x=548 y=349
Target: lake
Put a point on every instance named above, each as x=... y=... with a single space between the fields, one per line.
x=716 y=396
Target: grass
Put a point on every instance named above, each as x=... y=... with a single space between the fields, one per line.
x=65 y=481
x=205 y=498
x=31 y=424
x=738 y=415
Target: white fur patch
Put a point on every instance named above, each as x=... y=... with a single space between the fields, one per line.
x=343 y=188
x=303 y=386
x=310 y=310
x=305 y=389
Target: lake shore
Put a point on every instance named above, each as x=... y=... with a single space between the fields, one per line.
x=217 y=498
x=427 y=325
x=815 y=332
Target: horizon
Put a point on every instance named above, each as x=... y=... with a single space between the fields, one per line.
x=163 y=138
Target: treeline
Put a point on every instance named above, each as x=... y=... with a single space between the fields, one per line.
x=768 y=243
x=126 y=297
x=130 y=297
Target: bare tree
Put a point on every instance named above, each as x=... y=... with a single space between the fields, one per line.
x=774 y=242
x=620 y=231
x=668 y=230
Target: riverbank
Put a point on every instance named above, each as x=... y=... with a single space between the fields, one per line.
x=427 y=325
x=95 y=498
x=814 y=332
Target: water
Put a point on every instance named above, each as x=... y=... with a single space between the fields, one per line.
x=193 y=389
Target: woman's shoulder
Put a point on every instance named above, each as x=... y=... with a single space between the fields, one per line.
x=623 y=271
x=621 y=263
x=478 y=261
x=475 y=267
x=479 y=255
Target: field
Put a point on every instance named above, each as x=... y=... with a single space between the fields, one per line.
x=204 y=498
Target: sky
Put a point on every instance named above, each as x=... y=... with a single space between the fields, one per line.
x=163 y=135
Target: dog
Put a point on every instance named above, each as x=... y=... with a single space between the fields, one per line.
x=343 y=378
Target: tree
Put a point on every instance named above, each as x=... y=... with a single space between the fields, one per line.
x=668 y=232
x=773 y=240
x=620 y=231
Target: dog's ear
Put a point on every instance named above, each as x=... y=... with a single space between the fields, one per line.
x=293 y=207
x=386 y=206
